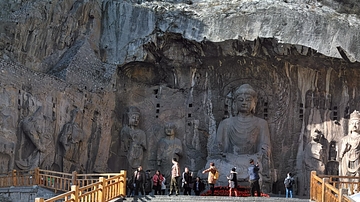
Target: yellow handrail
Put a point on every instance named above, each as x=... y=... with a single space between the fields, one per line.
x=78 y=187
x=105 y=189
x=323 y=188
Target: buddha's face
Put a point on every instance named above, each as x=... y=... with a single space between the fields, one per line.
x=169 y=130
x=134 y=119
x=354 y=125
x=245 y=103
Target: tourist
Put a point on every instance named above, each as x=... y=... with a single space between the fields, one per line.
x=186 y=180
x=212 y=176
x=139 y=180
x=175 y=174
x=157 y=182
x=198 y=186
x=288 y=182
x=232 y=182
x=254 y=178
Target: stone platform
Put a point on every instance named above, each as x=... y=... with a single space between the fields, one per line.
x=183 y=198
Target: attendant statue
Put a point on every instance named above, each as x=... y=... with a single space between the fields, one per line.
x=350 y=148
x=243 y=137
x=315 y=156
x=169 y=147
x=316 y=153
x=71 y=140
x=34 y=140
x=133 y=138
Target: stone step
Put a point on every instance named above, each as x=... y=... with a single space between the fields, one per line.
x=183 y=198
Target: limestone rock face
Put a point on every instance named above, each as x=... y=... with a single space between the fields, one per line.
x=177 y=61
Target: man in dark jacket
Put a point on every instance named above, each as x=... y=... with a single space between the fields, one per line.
x=254 y=177
x=198 y=186
x=288 y=182
x=186 y=181
x=148 y=182
x=139 y=180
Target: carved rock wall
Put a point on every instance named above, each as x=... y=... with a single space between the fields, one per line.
x=176 y=61
x=23 y=93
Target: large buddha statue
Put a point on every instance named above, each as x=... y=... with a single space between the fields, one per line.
x=243 y=137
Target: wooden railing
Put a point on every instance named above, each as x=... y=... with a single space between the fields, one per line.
x=105 y=189
x=59 y=181
x=78 y=187
x=17 y=178
x=329 y=188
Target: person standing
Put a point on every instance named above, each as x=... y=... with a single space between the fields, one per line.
x=198 y=186
x=139 y=180
x=232 y=182
x=130 y=186
x=175 y=173
x=212 y=177
x=147 y=182
x=186 y=180
x=254 y=177
x=163 y=186
x=157 y=182
x=288 y=182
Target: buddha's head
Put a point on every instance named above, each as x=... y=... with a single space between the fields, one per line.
x=133 y=114
x=354 y=122
x=170 y=129
x=245 y=99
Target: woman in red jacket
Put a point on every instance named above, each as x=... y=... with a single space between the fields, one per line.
x=157 y=179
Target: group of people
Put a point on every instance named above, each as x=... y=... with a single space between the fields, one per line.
x=141 y=182
x=187 y=181
x=253 y=172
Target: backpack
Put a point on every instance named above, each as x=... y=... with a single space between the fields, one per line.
x=288 y=182
x=216 y=175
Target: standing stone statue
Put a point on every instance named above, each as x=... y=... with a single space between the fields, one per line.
x=169 y=147
x=33 y=141
x=315 y=156
x=350 y=148
x=316 y=153
x=133 y=138
x=243 y=137
x=71 y=140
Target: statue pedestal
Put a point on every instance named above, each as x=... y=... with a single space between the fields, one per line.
x=225 y=163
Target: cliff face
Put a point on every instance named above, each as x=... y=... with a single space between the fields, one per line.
x=69 y=70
